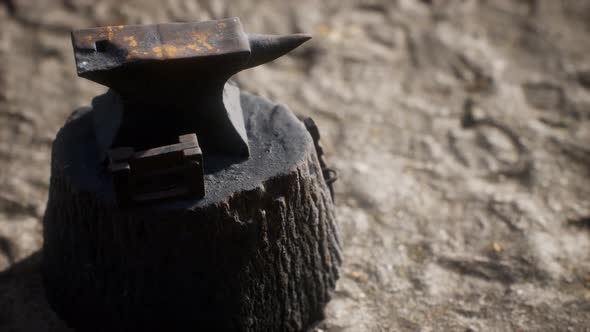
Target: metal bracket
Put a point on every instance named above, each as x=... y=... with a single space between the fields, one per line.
x=156 y=174
x=330 y=175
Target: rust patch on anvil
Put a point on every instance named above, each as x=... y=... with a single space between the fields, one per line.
x=105 y=48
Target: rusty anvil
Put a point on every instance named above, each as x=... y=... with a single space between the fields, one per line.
x=172 y=80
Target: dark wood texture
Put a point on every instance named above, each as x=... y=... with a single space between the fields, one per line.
x=260 y=252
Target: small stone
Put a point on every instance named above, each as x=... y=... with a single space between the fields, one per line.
x=497 y=247
x=358 y=276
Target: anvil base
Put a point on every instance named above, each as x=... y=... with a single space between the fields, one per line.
x=258 y=252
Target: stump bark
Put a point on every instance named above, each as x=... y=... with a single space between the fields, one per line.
x=259 y=252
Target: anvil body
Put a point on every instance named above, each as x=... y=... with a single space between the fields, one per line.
x=171 y=79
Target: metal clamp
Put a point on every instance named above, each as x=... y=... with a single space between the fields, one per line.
x=160 y=173
x=330 y=174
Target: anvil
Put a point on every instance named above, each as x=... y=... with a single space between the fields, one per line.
x=171 y=79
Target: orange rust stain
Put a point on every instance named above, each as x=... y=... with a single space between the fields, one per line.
x=170 y=50
x=88 y=38
x=132 y=54
x=110 y=33
x=158 y=51
x=131 y=40
x=193 y=47
x=221 y=25
x=202 y=39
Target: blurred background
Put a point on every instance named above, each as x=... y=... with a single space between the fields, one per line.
x=460 y=130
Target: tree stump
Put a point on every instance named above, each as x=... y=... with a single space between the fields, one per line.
x=259 y=252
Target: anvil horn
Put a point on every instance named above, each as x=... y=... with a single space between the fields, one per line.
x=266 y=48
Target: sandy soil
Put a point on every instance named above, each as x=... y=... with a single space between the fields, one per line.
x=461 y=131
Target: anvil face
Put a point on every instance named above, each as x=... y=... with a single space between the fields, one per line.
x=142 y=52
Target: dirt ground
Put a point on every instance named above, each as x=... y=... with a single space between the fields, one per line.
x=460 y=130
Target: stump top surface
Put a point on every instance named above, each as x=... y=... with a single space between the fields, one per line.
x=278 y=142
